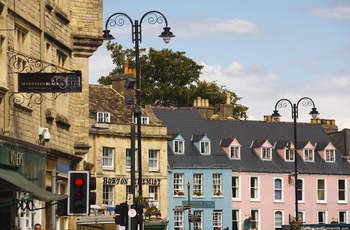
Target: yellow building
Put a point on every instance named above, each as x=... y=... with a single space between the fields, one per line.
x=110 y=153
x=44 y=125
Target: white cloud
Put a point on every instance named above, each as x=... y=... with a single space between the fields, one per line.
x=335 y=12
x=215 y=27
x=261 y=88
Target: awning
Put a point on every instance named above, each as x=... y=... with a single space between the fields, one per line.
x=20 y=181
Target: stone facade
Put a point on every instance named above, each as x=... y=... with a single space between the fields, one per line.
x=48 y=36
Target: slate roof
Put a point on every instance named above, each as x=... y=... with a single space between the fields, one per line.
x=187 y=122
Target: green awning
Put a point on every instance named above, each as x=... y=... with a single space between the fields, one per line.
x=20 y=181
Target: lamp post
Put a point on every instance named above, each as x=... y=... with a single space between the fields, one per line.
x=117 y=19
x=283 y=103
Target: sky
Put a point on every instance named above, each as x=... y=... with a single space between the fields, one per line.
x=263 y=51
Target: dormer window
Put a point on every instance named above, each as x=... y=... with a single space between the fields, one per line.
x=177 y=144
x=326 y=151
x=202 y=143
x=205 y=147
x=308 y=155
x=144 y=120
x=263 y=149
x=330 y=155
x=232 y=148
x=289 y=154
x=235 y=152
x=103 y=117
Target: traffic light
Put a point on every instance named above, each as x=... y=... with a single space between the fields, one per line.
x=121 y=212
x=139 y=213
x=79 y=191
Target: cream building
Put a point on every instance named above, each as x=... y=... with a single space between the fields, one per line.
x=110 y=153
x=43 y=39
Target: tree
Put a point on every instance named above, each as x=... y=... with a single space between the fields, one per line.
x=170 y=78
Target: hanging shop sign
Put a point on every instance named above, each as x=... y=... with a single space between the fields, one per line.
x=49 y=82
x=116 y=180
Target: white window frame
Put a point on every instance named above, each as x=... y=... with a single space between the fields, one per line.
x=204 y=147
x=128 y=159
x=108 y=194
x=324 y=217
x=266 y=153
x=198 y=184
x=254 y=189
x=179 y=184
x=255 y=218
x=235 y=152
x=198 y=225
x=179 y=146
x=320 y=191
x=237 y=221
x=153 y=159
x=237 y=188
x=343 y=190
x=301 y=190
x=278 y=223
x=307 y=154
x=107 y=158
x=343 y=216
x=280 y=190
x=154 y=199
x=217 y=184
x=178 y=220
x=103 y=117
x=329 y=155
x=289 y=155
x=217 y=219
x=144 y=120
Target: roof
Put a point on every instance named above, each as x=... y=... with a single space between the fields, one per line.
x=188 y=122
x=105 y=98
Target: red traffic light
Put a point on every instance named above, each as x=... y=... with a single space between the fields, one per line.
x=79 y=182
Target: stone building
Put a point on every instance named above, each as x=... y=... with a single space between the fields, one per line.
x=44 y=126
x=111 y=148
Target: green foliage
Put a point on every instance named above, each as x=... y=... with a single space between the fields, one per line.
x=170 y=78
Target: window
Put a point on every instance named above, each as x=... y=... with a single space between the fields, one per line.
x=153 y=195
x=205 y=147
x=108 y=194
x=108 y=158
x=322 y=218
x=254 y=215
x=179 y=184
x=235 y=187
x=128 y=159
x=103 y=117
x=300 y=190
x=178 y=220
x=308 y=154
x=235 y=220
x=217 y=219
x=179 y=146
x=266 y=153
x=197 y=184
x=278 y=190
x=343 y=217
x=278 y=220
x=217 y=181
x=330 y=155
x=144 y=120
x=153 y=160
x=21 y=39
x=254 y=188
x=321 y=190
x=301 y=216
x=289 y=154
x=198 y=225
x=61 y=58
x=342 y=190
x=235 y=152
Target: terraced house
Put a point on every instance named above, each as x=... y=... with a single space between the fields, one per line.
x=260 y=187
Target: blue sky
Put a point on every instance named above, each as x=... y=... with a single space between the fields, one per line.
x=261 y=50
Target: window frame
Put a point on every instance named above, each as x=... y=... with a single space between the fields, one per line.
x=300 y=191
x=343 y=216
x=217 y=184
x=108 y=194
x=307 y=153
x=324 y=217
x=198 y=225
x=217 y=219
x=278 y=224
x=179 y=219
x=254 y=191
x=204 y=147
x=197 y=184
x=237 y=188
x=179 y=146
x=153 y=158
x=109 y=158
x=178 y=184
x=266 y=153
x=343 y=190
x=288 y=153
x=328 y=152
x=255 y=213
x=103 y=117
x=236 y=153
x=236 y=222
x=280 y=190
x=320 y=191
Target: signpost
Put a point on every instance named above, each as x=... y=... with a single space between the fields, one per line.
x=193 y=218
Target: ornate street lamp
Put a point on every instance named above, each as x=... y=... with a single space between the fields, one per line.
x=117 y=19
x=283 y=103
